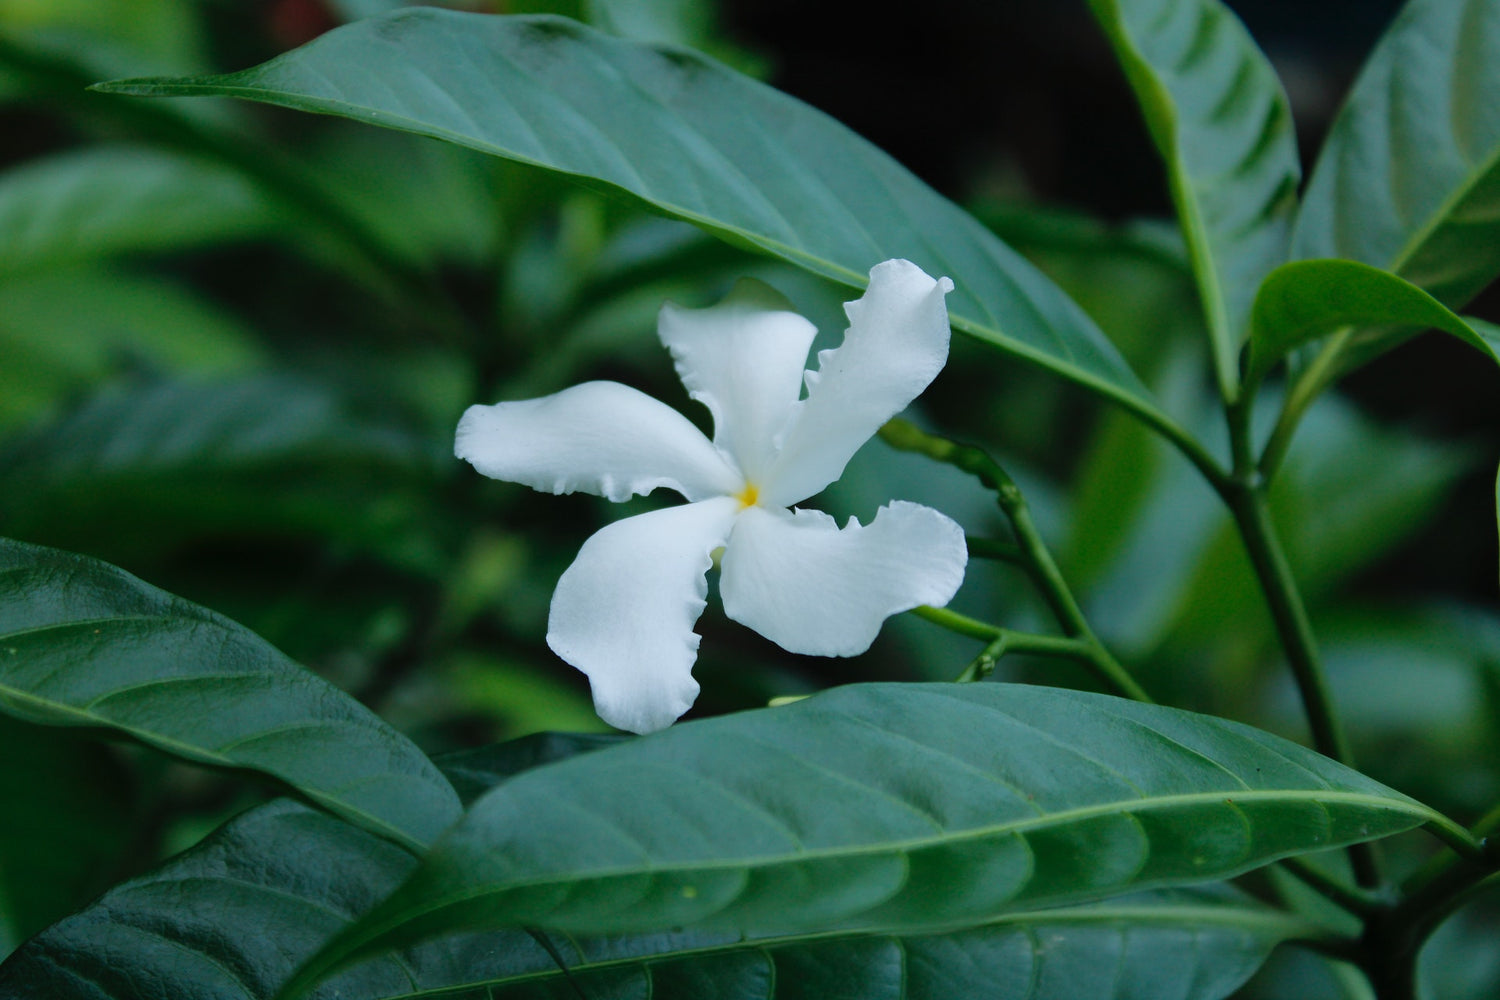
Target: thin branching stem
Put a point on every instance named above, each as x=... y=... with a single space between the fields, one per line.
x=994 y=548
x=1033 y=551
x=1300 y=395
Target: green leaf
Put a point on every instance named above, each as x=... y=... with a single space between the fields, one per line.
x=1352 y=490
x=690 y=138
x=79 y=206
x=135 y=470
x=672 y=22
x=62 y=329
x=884 y=806
x=83 y=643
x=1409 y=177
x=167 y=34
x=1308 y=299
x=298 y=876
x=1220 y=120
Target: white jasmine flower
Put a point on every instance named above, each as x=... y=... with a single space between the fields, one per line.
x=624 y=611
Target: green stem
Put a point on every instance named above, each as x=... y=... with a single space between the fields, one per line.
x=984 y=664
x=993 y=548
x=1252 y=516
x=1360 y=902
x=1003 y=640
x=1299 y=397
x=1245 y=493
x=1394 y=939
x=1035 y=556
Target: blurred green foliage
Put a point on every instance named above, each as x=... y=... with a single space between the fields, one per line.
x=234 y=343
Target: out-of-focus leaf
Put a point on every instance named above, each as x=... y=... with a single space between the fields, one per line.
x=1220 y=120
x=520 y=698
x=353 y=10
x=1308 y=299
x=141 y=468
x=1411 y=687
x=297 y=876
x=80 y=206
x=690 y=138
x=64 y=329
x=83 y=643
x=165 y=33
x=1117 y=505
x=669 y=22
x=895 y=807
x=1409 y=178
x=1135 y=279
x=66 y=812
x=1351 y=490
x=431 y=202
x=1459 y=961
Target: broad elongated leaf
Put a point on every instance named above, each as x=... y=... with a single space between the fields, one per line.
x=297 y=876
x=79 y=206
x=1304 y=300
x=1220 y=120
x=879 y=806
x=1409 y=178
x=83 y=643
x=690 y=138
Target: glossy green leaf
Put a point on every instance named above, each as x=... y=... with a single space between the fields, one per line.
x=1409 y=178
x=1308 y=299
x=79 y=206
x=297 y=876
x=83 y=643
x=1220 y=120
x=139 y=469
x=690 y=138
x=891 y=806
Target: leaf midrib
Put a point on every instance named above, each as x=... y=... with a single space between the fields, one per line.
x=1136 y=916
x=190 y=751
x=1444 y=210
x=1079 y=814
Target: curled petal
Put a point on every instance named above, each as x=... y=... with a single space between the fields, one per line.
x=744 y=359
x=896 y=344
x=599 y=437
x=811 y=587
x=623 y=613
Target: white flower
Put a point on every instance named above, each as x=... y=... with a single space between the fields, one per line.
x=623 y=613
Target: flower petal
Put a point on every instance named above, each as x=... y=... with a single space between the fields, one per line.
x=623 y=613
x=744 y=359
x=810 y=587
x=896 y=344
x=599 y=437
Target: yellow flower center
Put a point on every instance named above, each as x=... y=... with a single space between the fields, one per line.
x=749 y=495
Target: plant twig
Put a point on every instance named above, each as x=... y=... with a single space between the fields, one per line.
x=1245 y=493
x=1033 y=551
